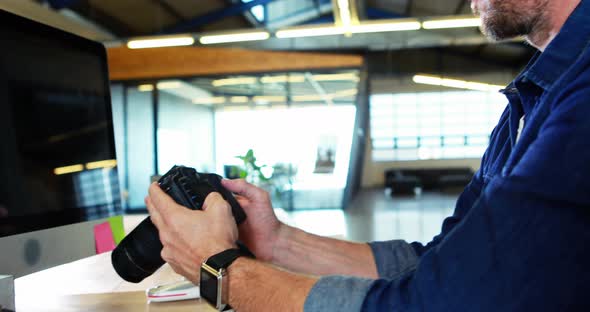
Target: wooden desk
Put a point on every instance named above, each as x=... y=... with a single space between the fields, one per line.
x=116 y=302
x=92 y=284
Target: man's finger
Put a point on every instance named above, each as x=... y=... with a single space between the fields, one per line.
x=241 y=187
x=154 y=213
x=215 y=199
x=162 y=202
x=211 y=199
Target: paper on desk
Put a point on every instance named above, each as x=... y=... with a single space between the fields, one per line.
x=103 y=238
x=117 y=228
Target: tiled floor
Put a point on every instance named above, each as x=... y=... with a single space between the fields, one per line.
x=374 y=215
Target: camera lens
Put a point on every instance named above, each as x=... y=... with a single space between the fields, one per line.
x=138 y=255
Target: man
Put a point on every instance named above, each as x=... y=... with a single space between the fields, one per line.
x=519 y=239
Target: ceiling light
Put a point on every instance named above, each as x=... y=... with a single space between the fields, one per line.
x=68 y=169
x=345 y=93
x=163 y=85
x=145 y=88
x=371 y=27
x=336 y=77
x=455 y=83
x=234 y=81
x=452 y=23
x=316 y=31
x=239 y=99
x=161 y=42
x=283 y=79
x=110 y=163
x=235 y=37
x=345 y=15
x=265 y=99
x=210 y=100
x=311 y=98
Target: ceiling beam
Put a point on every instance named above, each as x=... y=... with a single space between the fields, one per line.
x=409 y=5
x=460 y=7
x=199 y=21
x=170 y=9
x=127 y=64
x=61 y=4
x=118 y=27
x=39 y=13
x=312 y=14
x=374 y=13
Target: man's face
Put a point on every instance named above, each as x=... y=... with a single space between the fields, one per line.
x=505 y=19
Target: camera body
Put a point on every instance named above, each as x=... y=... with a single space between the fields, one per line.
x=189 y=188
x=138 y=255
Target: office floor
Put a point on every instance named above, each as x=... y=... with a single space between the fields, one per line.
x=374 y=215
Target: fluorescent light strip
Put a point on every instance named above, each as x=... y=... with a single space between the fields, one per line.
x=269 y=98
x=327 y=97
x=161 y=42
x=110 y=163
x=234 y=81
x=365 y=27
x=235 y=37
x=372 y=27
x=336 y=77
x=68 y=169
x=210 y=100
x=310 y=98
x=239 y=99
x=145 y=88
x=345 y=93
x=309 y=32
x=452 y=23
x=345 y=15
x=283 y=79
x=455 y=83
x=168 y=85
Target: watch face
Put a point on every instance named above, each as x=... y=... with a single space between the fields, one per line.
x=209 y=286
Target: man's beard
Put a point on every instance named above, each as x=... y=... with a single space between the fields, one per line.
x=506 y=19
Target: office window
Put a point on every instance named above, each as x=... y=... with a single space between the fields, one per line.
x=299 y=137
x=433 y=125
x=300 y=124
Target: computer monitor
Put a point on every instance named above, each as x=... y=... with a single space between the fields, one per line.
x=58 y=173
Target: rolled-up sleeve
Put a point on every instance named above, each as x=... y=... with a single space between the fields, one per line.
x=338 y=293
x=343 y=293
x=394 y=258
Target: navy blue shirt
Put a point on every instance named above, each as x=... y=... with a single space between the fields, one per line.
x=519 y=239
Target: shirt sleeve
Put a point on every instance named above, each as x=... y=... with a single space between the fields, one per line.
x=394 y=258
x=337 y=294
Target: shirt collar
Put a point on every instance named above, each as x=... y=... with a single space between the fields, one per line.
x=574 y=37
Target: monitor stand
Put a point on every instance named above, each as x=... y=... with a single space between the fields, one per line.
x=6 y=293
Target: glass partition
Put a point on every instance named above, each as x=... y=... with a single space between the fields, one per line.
x=290 y=133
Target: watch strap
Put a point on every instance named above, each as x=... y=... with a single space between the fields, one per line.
x=224 y=258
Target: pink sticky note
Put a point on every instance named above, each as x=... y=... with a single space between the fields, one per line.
x=103 y=238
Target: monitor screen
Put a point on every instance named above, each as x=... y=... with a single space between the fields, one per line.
x=57 y=161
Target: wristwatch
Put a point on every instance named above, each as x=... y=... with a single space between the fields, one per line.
x=214 y=285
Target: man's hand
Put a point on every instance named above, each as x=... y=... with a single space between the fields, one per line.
x=189 y=236
x=261 y=229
